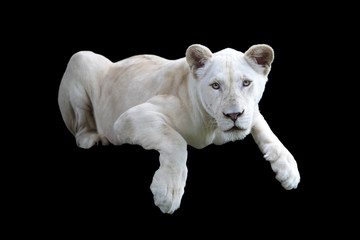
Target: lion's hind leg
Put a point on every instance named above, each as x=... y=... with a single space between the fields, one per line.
x=79 y=119
x=75 y=104
x=87 y=135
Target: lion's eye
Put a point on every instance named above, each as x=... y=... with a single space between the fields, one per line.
x=246 y=83
x=215 y=86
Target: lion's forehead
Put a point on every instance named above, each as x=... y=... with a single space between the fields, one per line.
x=231 y=67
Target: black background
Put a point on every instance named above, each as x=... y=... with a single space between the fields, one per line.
x=106 y=189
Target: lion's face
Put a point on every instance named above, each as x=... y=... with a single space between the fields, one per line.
x=231 y=85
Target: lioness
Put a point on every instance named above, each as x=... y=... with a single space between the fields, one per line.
x=164 y=105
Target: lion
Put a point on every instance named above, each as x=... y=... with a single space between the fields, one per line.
x=201 y=99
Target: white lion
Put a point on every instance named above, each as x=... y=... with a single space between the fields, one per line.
x=164 y=105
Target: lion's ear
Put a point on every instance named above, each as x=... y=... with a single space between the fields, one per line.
x=260 y=56
x=197 y=55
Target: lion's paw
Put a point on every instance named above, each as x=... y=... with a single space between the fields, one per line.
x=89 y=139
x=168 y=188
x=284 y=166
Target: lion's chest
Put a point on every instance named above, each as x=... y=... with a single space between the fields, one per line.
x=200 y=141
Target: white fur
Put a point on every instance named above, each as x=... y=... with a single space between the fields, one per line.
x=166 y=105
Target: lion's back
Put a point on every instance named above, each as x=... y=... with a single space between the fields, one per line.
x=128 y=83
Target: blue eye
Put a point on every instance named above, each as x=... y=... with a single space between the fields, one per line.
x=246 y=83
x=215 y=86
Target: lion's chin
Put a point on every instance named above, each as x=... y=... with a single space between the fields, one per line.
x=230 y=134
x=237 y=133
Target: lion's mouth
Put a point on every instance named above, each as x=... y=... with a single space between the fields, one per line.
x=235 y=128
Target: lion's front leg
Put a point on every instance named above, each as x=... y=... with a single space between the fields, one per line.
x=169 y=181
x=281 y=160
x=144 y=125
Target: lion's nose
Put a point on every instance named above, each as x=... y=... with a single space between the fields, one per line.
x=234 y=116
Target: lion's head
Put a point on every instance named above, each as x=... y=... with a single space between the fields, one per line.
x=230 y=85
